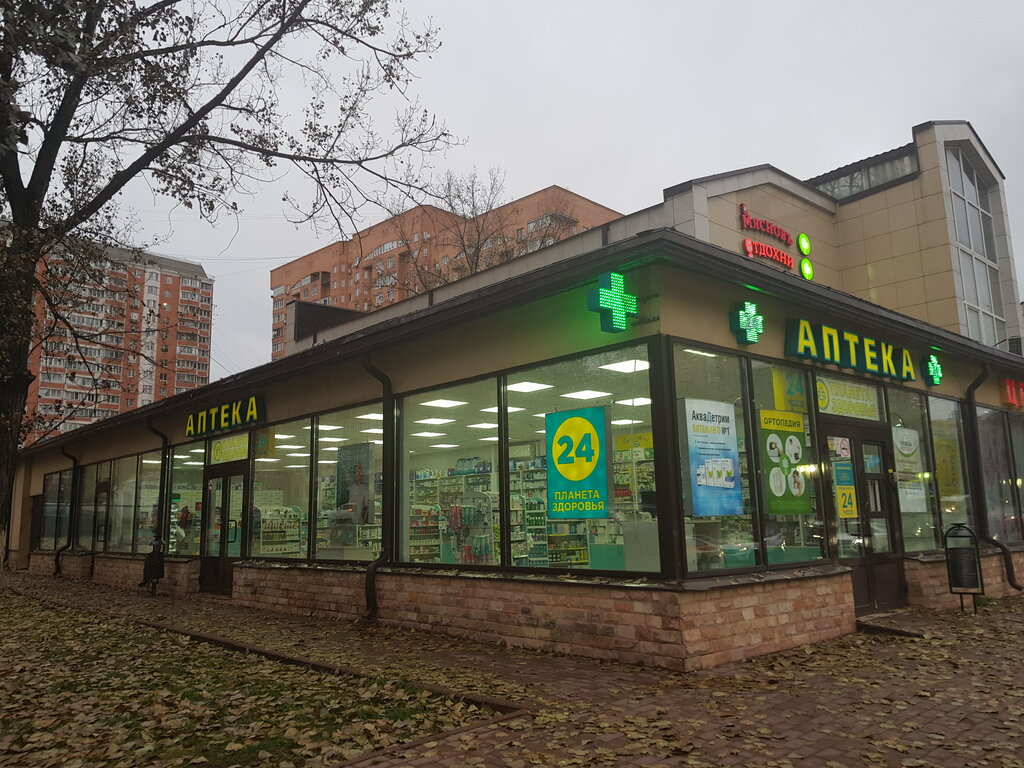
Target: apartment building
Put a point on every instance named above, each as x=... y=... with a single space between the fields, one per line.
x=424 y=248
x=137 y=335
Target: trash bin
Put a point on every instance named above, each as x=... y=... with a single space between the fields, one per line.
x=963 y=563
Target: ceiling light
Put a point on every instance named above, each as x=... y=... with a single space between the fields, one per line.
x=373 y=416
x=326 y=427
x=622 y=422
x=586 y=394
x=296 y=466
x=335 y=448
x=298 y=454
x=541 y=415
x=627 y=366
x=489 y=439
x=373 y=431
x=435 y=421
x=429 y=434
x=444 y=445
x=266 y=459
x=327 y=461
x=540 y=431
x=527 y=386
x=634 y=401
x=291 y=447
x=377 y=442
x=195 y=463
x=181 y=457
x=333 y=439
x=442 y=403
x=198 y=450
x=152 y=461
x=482 y=425
x=494 y=409
x=700 y=352
x=284 y=437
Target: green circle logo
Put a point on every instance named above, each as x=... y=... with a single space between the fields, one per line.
x=803 y=242
x=806 y=269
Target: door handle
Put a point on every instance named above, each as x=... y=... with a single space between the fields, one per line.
x=233 y=531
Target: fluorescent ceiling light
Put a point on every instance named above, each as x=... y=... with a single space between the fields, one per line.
x=181 y=457
x=333 y=439
x=284 y=437
x=621 y=422
x=266 y=459
x=482 y=425
x=195 y=463
x=540 y=431
x=634 y=401
x=152 y=461
x=435 y=421
x=198 y=450
x=429 y=434
x=326 y=427
x=586 y=394
x=627 y=366
x=377 y=442
x=373 y=416
x=494 y=409
x=290 y=447
x=700 y=352
x=298 y=454
x=541 y=415
x=327 y=461
x=444 y=445
x=489 y=439
x=442 y=403
x=528 y=386
x=296 y=466
x=373 y=431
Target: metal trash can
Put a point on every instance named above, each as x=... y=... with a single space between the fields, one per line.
x=963 y=563
x=153 y=567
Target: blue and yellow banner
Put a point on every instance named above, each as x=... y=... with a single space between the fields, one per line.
x=579 y=477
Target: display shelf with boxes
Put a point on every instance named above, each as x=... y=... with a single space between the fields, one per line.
x=425 y=533
x=470 y=530
x=567 y=543
x=281 y=532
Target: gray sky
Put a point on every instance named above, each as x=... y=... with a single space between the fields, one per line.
x=617 y=100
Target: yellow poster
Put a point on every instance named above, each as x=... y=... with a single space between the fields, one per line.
x=788 y=386
x=635 y=447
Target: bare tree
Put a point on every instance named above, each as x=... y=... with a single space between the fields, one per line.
x=475 y=228
x=196 y=99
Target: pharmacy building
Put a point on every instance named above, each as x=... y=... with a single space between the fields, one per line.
x=718 y=427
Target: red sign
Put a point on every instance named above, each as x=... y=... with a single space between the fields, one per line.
x=756 y=249
x=762 y=225
x=1013 y=393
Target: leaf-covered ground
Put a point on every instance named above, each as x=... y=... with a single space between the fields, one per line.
x=81 y=690
x=953 y=697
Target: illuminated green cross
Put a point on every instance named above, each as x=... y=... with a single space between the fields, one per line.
x=612 y=301
x=933 y=371
x=747 y=323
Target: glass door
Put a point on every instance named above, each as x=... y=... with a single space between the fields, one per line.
x=865 y=514
x=223 y=505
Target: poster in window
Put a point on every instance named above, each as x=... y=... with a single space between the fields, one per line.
x=783 y=445
x=355 y=473
x=713 y=452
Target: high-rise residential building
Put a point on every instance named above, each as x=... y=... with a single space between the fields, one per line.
x=423 y=248
x=138 y=334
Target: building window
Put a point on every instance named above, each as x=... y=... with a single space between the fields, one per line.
x=148 y=515
x=979 y=261
x=915 y=474
x=186 y=496
x=280 y=514
x=120 y=524
x=793 y=514
x=56 y=509
x=997 y=476
x=715 y=461
x=950 y=469
x=348 y=515
x=612 y=390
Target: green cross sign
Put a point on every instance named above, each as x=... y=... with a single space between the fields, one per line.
x=612 y=301
x=747 y=323
x=933 y=371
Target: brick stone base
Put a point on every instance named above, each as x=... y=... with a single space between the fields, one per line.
x=677 y=629
x=928 y=584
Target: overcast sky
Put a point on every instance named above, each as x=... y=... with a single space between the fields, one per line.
x=618 y=100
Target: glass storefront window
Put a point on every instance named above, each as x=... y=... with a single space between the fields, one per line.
x=280 y=495
x=1017 y=437
x=450 y=501
x=186 y=498
x=148 y=518
x=102 y=506
x=714 y=471
x=87 y=508
x=121 y=520
x=619 y=531
x=997 y=476
x=348 y=483
x=950 y=470
x=793 y=519
x=51 y=494
x=915 y=480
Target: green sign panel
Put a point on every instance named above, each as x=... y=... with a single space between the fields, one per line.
x=783 y=456
x=579 y=480
x=612 y=301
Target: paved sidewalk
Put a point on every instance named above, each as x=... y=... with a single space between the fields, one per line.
x=952 y=697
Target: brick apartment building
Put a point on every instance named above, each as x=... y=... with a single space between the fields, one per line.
x=423 y=248
x=140 y=336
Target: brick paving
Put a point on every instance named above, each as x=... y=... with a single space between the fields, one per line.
x=953 y=695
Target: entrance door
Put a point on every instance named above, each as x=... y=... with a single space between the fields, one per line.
x=866 y=514
x=221 y=543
